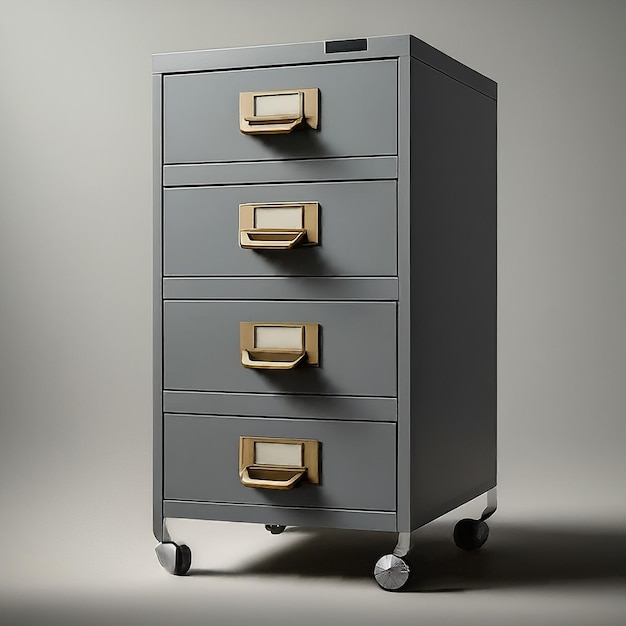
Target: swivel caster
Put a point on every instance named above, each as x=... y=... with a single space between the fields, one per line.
x=173 y=558
x=470 y=534
x=275 y=529
x=392 y=572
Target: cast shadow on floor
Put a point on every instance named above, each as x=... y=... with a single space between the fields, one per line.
x=514 y=556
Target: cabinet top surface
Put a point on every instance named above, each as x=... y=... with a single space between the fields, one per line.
x=392 y=46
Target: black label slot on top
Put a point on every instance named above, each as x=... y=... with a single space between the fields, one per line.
x=345 y=45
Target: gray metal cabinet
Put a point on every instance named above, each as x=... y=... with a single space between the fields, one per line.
x=324 y=290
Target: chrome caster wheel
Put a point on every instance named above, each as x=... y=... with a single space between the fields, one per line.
x=173 y=558
x=392 y=572
x=470 y=534
x=275 y=529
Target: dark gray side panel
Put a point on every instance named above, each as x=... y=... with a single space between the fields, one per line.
x=447 y=65
x=453 y=293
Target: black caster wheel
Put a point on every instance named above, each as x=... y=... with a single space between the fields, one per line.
x=392 y=572
x=275 y=529
x=470 y=534
x=174 y=558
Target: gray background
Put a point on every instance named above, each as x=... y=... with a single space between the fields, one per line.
x=75 y=325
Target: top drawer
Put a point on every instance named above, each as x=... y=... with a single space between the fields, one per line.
x=357 y=113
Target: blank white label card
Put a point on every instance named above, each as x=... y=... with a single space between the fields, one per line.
x=278 y=217
x=279 y=104
x=278 y=337
x=268 y=453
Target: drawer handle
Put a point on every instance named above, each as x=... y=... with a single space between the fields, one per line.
x=272 y=477
x=278 y=346
x=278 y=463
x=271 y=124
x=271 y=239
x=278 y=225
x=278 y=112
x=269 y=360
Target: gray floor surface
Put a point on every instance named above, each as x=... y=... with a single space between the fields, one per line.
x=531 y=571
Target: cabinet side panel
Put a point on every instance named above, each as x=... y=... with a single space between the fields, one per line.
x=453 y=293
x=157 y=303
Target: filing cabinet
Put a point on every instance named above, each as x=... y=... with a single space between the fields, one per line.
x=324 y=290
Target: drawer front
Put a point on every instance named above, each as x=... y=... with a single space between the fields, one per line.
x=357 y=113
x=357 y=462
x=357 y=347
x=357 y=231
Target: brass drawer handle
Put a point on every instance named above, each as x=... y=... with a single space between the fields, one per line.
x=278 y=112
x=271 y=239
x=278 y=346
x=271 y=477
x=271 y=360
x=278 y=225
x=278 y=463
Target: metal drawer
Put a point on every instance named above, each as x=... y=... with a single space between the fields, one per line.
x=356 y=345
x=357 y=113
x=356 y=462
x=356 y=221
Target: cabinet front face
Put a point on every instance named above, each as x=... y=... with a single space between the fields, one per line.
x=355 y=232
x=356 y=462
x=356 y=113
x=278 y=215
x=356 y=347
